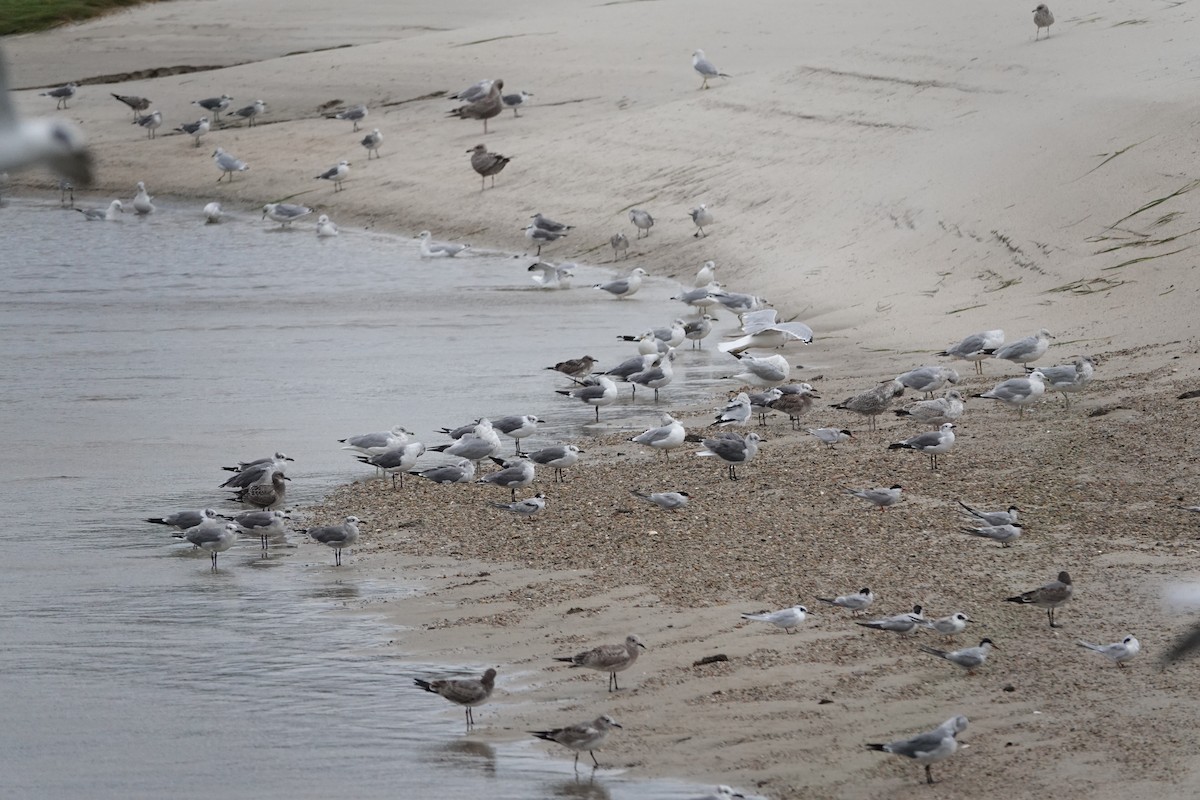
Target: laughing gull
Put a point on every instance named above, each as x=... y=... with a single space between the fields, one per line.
x=486 y=107
x=396 y=460
x=473 y=93
x=518 y=427
x=559 y=456
x=1117 y=652
x=587 y=736
x=195 y=129
x=212 y=539
x=898 y=623
x=107 y=214
x=1048 y=596
x=1017 y=392
x=185 y=519
x=762 y=372
x=977 y=347
x=706 y=68
x=434 y=249
x=880 y=497
x=337 y=173
x=228 y=164
x=601 y=393
x=57 y=144
x=355 y=114
x=873 y=402
x=481 y=443
x=736 y=412
x=249 y=112
x=263 y=524
x=336 y=537
x=932 y=443
x=461 y=471
x=624 y=287
x=466 y=692
x=214 y=105
x=1024 y=351
x=541 y=236
x=855 y=603
x=516 y=474
x=786 y=618
x=487 y=164
x=732 y=448
x=285 y=213
x=659 y=374
x=630 y=366
x=575 y=367
x=1042 y=18
x=667 y=501
x=371 y=142
x=760 y=403
x=642 y=221
x=268 y=492
x=547 y=224
x=666 y=437
x=376 y=442
x=515 y=101
x=61 y=93
x=928 y=748
x=133 y=101
x=934 y=412
x=969 y=658
x=610 y=658
x=701 y=216
x=795 y=403
x=151 y=122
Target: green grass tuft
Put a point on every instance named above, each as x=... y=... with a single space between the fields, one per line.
x=29 y=16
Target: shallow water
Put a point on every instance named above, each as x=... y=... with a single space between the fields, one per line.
x=142 y=355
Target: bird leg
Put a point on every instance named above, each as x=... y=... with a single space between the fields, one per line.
x=928 y=775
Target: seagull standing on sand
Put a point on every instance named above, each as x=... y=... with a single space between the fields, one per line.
x=666 y=437
x=541 y=236
x=873 y=402
x=936 y=411
x=195 y=129
x=228 y=164
x=976 y=348
x=372 y=141
x=701 y=216
x=1018 y=392
x=928 y=748
x=706 y=68
x=1069 y=377
x=214 y=105
x=484 y=108
x=133 y=101
x=624 y=287
x=515 y=101
x=355 y=114
x=642 y=221
x=151 y=122
x=251 y=111
x=1024 y=351
x=732 y=448
x=337 y=173
x=1042 y=18
x=932 y=443
x=736 y=412
x=620 y=245
x=559 y=457
x=61 y=93
x=285 y=213
x=1048 y=596
x=788 y=618
x=487 y=164
x=610 y=658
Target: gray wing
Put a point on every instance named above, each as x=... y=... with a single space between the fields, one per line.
x=927 y=439
x=918 y=745
x=653 y=435
x=1020 y=347
x=616 y=287
x=727 y=449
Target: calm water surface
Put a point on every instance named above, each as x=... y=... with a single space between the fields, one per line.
x=140 y=356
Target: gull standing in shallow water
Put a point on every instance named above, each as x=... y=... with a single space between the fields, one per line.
x=466 y=692
x=548 y=276
x=184 y=519
x=610 y=658
x=57 y=144
x=928 y=748
x=977 y=347
x=624 y=287
x=587 y=736
x=706 y=68
x=263 y=524
x=285 y=213
x=212 y=539
x=932 y=443
x=733 y=449
x=1048 y=596
x=107 y=214
x=228 y=164
x=336 y=537
x=786 y=618
x=602 y=393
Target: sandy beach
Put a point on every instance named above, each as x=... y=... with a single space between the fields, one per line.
x=895 y=175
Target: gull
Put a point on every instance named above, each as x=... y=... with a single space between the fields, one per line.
x=337 y=173
x=787 y=618
x=487 y=164
x=928 y=379
x=56 y=143
x=257 y=467
x=697 y=330
x=976 y=348
x=736 y=412
x=763 y=372
x=760 y=403
x=602 y=393
x=141 y=200
x=250 y=112
x=559 y=456
x=932 y=443
x=213 y=213
x=879 y=497
x=541 y=236
x=476 y=91
x=516 y=474
x=666 y=437
x=214 y=105
x=461 y=471
x=195 y=129
x=831 y=437
x=620 y=245
x=796 y=404
x=610 y=658
x=659 y=374
x=706 y=275
x=355 y=114
x=65 y=190
x=1004 y=534
x=263 y=524
x=61 y=93
x=1048 y=596
x=935 y=412
x=1069 y=377
x=1117 y=652
x=486 y=107
x=761 y=326
x=899 y=623
x=1006 y=517
x=624 y=287
x=372 y=141
x=740 y=303
x=518 y=427
x=671 y=334
x=184 y=519
x=587 y=736
x=969 y=658
x=1017 y=392
x=482 y=443
x=701 y=297
x=396 y=460
x=133 y=101
x=873 y=402
x=466 y=692
x=374 y=443
x=549 y=276
x=151 y=122
x=855 y=603
x=706 y=68
x=1023 y=351
x=701 y=216
x=949 y=626
x=325 y=227
x=108 y=214
x=928 y=748
x=631 y=366
x=642 y=221
x=515 y=101
x=1042 y=18
x=285 y=213
x=228 y=164
x=267 y=492
x=212 y=539
x=575 y=367
x=732 y=448
x=336 y=537
x=525 y=508
x=667 y=501
x=722 y=792
x=547 y=224
x=435 y=249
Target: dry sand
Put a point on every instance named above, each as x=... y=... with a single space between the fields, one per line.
x=897 y=175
